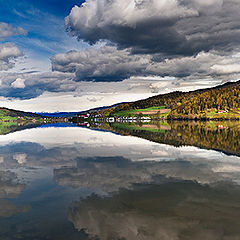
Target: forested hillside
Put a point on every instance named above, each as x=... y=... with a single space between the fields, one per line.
x=223 y=99
x=219 y=102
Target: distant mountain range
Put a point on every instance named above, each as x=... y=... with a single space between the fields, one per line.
x=73 y=114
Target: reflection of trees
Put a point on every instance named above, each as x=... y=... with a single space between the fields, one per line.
x=222 y=136
x=9 y=127
x=170 y=210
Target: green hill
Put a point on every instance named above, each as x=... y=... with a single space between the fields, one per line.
x=8 y=115
x=221 y=102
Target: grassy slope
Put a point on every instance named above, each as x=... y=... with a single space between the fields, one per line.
x=133 y=112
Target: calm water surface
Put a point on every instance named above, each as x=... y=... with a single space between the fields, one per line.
x=147 y=181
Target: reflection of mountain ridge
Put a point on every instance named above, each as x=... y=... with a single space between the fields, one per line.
x=220 y=136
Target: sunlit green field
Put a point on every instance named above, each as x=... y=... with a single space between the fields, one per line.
x=4 y=116
x=8 y=116
x=132 y=112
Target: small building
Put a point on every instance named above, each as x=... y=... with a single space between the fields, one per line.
x=222 y=111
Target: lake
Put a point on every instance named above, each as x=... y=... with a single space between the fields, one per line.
x=168 y=181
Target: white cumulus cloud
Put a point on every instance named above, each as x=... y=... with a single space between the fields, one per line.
x=18 y=83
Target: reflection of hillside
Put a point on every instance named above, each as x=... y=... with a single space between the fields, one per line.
x=171 y=210
x=9 y=127
x=222 y=136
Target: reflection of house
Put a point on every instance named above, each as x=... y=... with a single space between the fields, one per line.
x=85 y=124
x=145 y=118
x=111 y=119
x=83 y=115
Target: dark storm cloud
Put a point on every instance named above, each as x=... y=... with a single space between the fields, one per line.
x=108 y=64
x=140 y=25
x=104 y=64
x=170 y=27
x=182 y=39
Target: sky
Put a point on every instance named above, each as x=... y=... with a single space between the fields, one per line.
x=74 y=55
